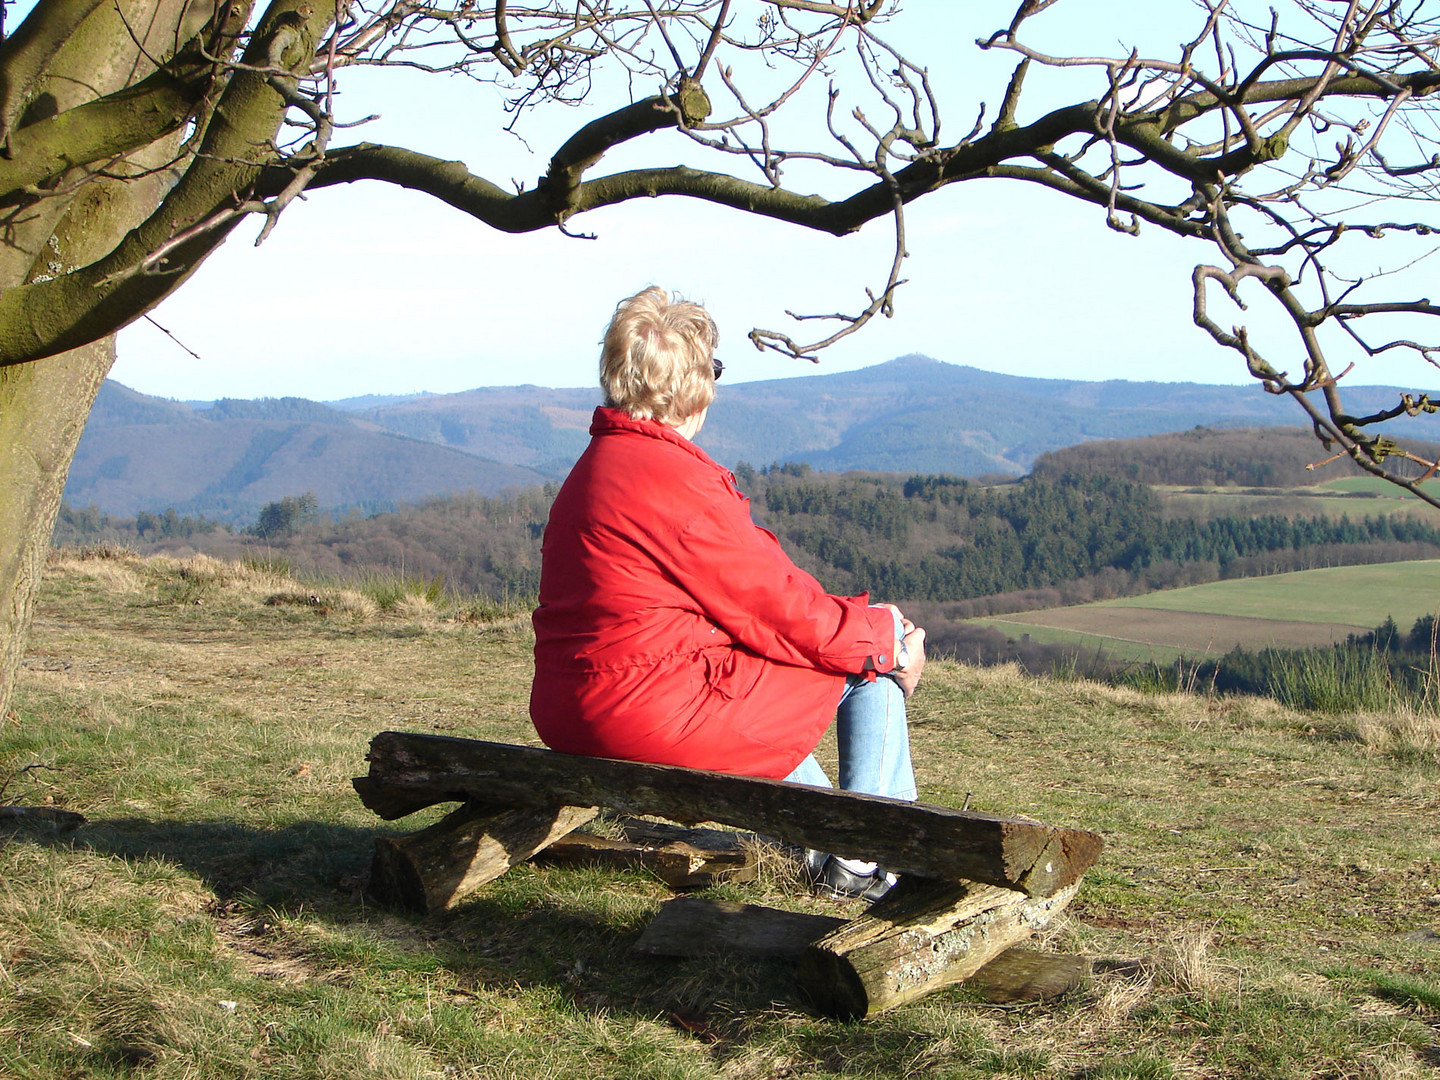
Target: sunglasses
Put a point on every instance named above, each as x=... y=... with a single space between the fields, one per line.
x=719 y=367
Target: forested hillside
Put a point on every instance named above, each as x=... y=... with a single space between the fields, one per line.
x=947 y=538
x=1244 y=457
x=979 y=549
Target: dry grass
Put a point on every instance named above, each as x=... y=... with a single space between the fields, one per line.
x=1403 y=732
x=1259 y=910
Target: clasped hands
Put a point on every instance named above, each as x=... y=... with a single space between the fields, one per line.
x=913 y=639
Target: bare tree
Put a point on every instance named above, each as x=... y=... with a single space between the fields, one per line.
x=135 y=136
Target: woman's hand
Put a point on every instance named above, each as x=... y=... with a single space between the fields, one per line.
x=909 y=676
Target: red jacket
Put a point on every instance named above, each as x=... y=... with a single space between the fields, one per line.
x=671 y=629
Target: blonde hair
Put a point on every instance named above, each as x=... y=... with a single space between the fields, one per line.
x=655 y=362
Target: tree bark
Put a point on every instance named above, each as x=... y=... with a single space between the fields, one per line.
x=43 y=407
x=694 y=926
x=410 y=771
x=44 y=403
x=434 y=869
x=682 y=858
x=917 y=940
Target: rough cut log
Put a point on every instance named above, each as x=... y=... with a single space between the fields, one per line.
x=693 y=926
x=920 y=938
x=1020 y=974
x=433 y=869
x=411 y=771
x=682 y=858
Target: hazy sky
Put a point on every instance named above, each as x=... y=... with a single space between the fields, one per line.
x=372 y=290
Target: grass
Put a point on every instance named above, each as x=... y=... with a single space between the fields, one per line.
x=1374 y=486
x=1358 y=595
x=1262 y=908
x=1319 y=606
x=1331 y=500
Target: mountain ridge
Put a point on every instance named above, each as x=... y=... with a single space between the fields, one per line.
x=910 y=414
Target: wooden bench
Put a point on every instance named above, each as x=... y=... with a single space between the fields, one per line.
x=972 y=885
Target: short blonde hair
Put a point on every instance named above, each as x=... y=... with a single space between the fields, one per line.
x=655 y=362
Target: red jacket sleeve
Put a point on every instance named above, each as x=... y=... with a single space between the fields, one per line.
x=746 y=584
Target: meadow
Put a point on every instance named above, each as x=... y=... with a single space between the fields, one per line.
x=1268 y=903
x=1354 y=497
x=1319 y=607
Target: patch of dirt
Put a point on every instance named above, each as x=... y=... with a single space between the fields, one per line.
x=260 y=946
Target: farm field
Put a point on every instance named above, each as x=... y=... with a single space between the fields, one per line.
x=1155 y=634
x=1086 y=644
x=1331 y=500
x=1373 y=485
x=1297 y=610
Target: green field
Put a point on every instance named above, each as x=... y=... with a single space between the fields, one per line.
x=1373 y=485
x=1370 y=497
x=1306 y=608
x=1361 y=595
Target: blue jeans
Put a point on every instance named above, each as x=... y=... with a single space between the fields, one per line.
x=873 y=740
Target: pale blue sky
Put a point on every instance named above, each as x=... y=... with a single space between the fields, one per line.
x=369 y=289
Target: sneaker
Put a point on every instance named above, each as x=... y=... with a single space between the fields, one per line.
x=813 y=864
x=839 y=883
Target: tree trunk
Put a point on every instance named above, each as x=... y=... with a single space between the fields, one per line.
x=43 y=407
x=44 y=404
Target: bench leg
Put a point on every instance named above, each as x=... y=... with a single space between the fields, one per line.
x=920 y=938
x=431 y=870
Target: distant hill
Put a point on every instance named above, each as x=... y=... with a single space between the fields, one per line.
x=1246 y=457
x=910 y=415
x=226 y=461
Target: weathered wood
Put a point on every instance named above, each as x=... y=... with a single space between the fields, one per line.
x=409 y=771
x=919 y=938
x=431 y=870
x=1020 y=974
x=48 y=816
x=692 y=926
x=682 y=858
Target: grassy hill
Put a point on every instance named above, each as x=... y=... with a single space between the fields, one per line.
x=1267 y=904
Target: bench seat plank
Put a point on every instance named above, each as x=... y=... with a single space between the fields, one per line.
x=409 y=771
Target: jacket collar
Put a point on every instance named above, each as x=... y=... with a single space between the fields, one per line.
x=609 y=421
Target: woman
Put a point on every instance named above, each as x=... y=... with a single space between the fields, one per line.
x=672 y=630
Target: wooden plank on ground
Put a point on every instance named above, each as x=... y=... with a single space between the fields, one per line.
x=409 y=771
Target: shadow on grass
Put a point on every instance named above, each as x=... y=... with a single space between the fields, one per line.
x=548 y=930
x=314 y=865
